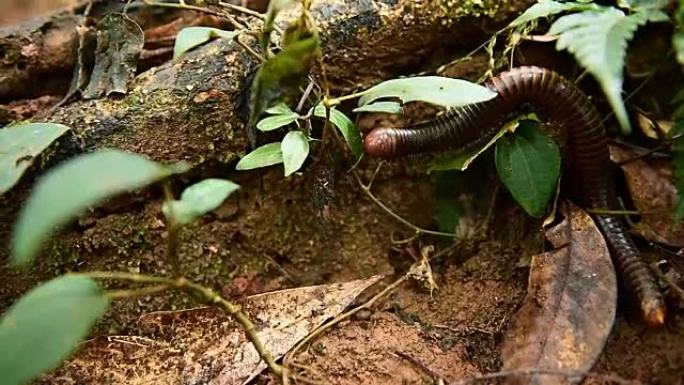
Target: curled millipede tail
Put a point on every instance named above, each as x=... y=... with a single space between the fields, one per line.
x=558 y=100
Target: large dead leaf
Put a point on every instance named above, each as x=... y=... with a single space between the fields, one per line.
x=205 y=346
x=569 y=308
x=654 y=194
x=119 y=43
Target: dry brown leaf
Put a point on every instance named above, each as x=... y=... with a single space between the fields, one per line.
x=569 y=309
x=650 y=183
x=205 y=346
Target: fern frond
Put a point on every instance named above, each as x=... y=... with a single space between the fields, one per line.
x=598 y=40
x=546 y=8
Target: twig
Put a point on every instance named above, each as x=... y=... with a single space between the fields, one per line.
x=244 y=10
x=188 y=7
x=289 y=357
x=249 y=49
x=419 y=230
x=205 y=294
x=613 y=212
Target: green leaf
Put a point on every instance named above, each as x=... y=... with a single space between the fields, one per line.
x=637 y=4
x=678 y=45
x=69 y=189
x=264 y=156
x=546 y=8
x=598 y=40
x=191 y=37
x=462 y=161
x=447 y=209
x=295 y=148
x=198 y=200
x=276 y=121
x=348 y=129
x=528 y=163
x=46 y=324
x=437 y=90
x=388 y=107
x=280 y=73
x=21 y=143
x=280 y=109
x=274 y=6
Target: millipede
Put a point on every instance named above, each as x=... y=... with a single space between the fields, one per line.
x=557 y=100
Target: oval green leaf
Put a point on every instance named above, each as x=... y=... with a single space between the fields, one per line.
x=276 y=121
x=437 y=90
x=387 y=107
x=68 y=190
x=279 y=109
x=546 y=8
x=46 y=324
x=528 y=163
x=264 y=156
x=347 y=128
x=191 y=37
x=199 y=199
x=20 y=144
x=295 y=149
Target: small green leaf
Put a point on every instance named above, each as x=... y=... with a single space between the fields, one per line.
x=447 y=209
x=636 y=4
x=280 y=109
x=264 y=156
x=598 y=40
x=21 y=143
x=191 y=37
x=198 y=200
x=437 y=90
x=276 y=121
x=388 y=107
x=348 y=129
x=68 y=190
x=528 y=163
x=295 y=148
x=462 y=161
x=678 y=45
x=274 y=6
x=546 y=8
x=284 y=70
x=46 y=324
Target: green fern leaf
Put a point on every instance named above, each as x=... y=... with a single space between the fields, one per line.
x=598 y=40
x=546 y=8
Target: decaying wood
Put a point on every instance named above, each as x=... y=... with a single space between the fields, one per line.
x=190 y=110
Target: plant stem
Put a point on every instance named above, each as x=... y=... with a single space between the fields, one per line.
x=173 y=240
x=204 y=293
x=242 y=9
x=182 y=5
x=419 y=230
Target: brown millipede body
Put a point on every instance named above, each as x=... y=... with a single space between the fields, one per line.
x=560 y=101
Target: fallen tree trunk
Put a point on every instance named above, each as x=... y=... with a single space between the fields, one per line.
x=191 y=110
x=194 y=109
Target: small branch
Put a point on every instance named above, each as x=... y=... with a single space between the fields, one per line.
x=244 y=10
x=249 y=49
x=400 y=219
x=205 y=294
x=289 y=357
x=188 y=7
x=612 y=212
x=118 y=294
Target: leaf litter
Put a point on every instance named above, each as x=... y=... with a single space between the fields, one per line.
x=569 y=311
x=205 y=345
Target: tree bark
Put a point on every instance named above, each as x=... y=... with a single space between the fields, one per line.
x=193 y=109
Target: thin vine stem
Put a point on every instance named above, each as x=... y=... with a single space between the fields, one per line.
x=205 y=294
x=419 y=230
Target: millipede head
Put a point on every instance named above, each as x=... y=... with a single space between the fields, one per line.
x=380 y=143
x=653 y=312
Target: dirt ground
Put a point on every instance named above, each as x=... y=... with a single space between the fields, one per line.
x=271 y=237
